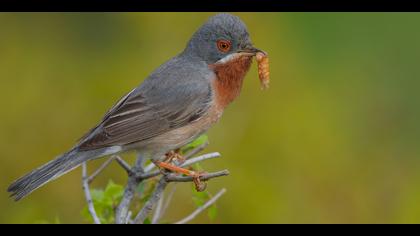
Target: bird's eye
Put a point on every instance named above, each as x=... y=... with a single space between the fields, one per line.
x=223 y=45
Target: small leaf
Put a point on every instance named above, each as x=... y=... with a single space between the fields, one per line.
x=197 y=142
x=147 y=221
x=104 y=202
x=197 y=167
x=140 y=188
x=97 y=195
x=148 y=190
x=114 y=191
x=212 y=212
x=198 y=202
x=200 y=198
x=86 y=215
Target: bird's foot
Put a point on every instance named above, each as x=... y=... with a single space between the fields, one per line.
x=199 y=185
x=174 y=156
x=173 y=168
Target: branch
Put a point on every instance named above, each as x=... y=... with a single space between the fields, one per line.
x=200 y=159
x=146 y=175
x=176 y=178
x=85 y=182
x=128 y=219
x=124 y=165
x=163 y=182
x=158 y=210
x=149 y=168
x=187 y=163
x=196 y=150
x=148 y=206
x=129 y=192
x=139 y=173
x=168 y=200
x=202 y=208
x=100 y=169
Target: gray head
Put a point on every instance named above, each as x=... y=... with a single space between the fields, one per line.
x=220 y=38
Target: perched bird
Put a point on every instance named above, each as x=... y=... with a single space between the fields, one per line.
x=177 y=103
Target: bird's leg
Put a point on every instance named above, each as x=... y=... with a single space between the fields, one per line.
x=199 y=186
x=174 y=156
x=170 y=157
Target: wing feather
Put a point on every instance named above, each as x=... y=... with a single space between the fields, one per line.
x=146 y=113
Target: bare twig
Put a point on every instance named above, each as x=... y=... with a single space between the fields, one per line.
x=100 y=169
x=196 y=150
x=145 y=176
x=123 y=164
x=204 y=177
x=200 y=159
x=85 y=181
x=149 y=168
x=202 y=208
x=129 y=192
x=168 y=200
x=158 y=209
x=128 y=220
x=190 y=162
x=154 y=198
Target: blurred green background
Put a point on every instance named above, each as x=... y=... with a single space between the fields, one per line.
x=334 y=140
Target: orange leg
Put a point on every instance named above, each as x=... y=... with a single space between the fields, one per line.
x=174 y=155
x=199 y=186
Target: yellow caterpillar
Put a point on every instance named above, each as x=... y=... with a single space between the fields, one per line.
x=263 y=69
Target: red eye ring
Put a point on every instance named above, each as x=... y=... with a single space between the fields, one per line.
x=223 y=45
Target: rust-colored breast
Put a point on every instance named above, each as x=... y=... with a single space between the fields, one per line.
x=230 y=76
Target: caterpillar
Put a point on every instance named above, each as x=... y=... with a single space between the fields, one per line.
x=263 y=69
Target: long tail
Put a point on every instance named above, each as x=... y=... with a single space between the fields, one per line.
x=48 y=172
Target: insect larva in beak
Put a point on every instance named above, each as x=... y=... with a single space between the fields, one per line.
x=263 y=69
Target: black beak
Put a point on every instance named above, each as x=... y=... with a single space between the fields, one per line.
x=250 y=49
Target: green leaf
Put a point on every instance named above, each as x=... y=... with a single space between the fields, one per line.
x=85 y=214
x=212 y=212
x=148 y=190
x=147 y=221
x=114 y=191
x=198 y=202
x=140 y=188
x=104 y=202
x=200 y=198
x=197 y=142
x=197 y=167
x=97 y=195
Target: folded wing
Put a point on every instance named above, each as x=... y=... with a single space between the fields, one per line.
x=150 y=110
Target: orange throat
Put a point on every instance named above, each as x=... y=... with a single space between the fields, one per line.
x=229 y=79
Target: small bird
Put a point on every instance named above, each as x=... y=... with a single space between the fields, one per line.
x=174 y=105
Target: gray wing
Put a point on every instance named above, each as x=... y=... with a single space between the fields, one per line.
x=158 y=106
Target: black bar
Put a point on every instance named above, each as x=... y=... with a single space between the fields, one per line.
x=210 y=5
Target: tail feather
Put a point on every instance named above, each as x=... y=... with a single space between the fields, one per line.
x=46 y=173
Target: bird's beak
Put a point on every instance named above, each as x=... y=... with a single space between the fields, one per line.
x=248 y=51
x=251 y=50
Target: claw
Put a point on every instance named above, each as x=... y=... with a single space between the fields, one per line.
x=199 y=185
x=173 y=156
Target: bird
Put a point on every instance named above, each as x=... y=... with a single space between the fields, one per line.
x=174 y=105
